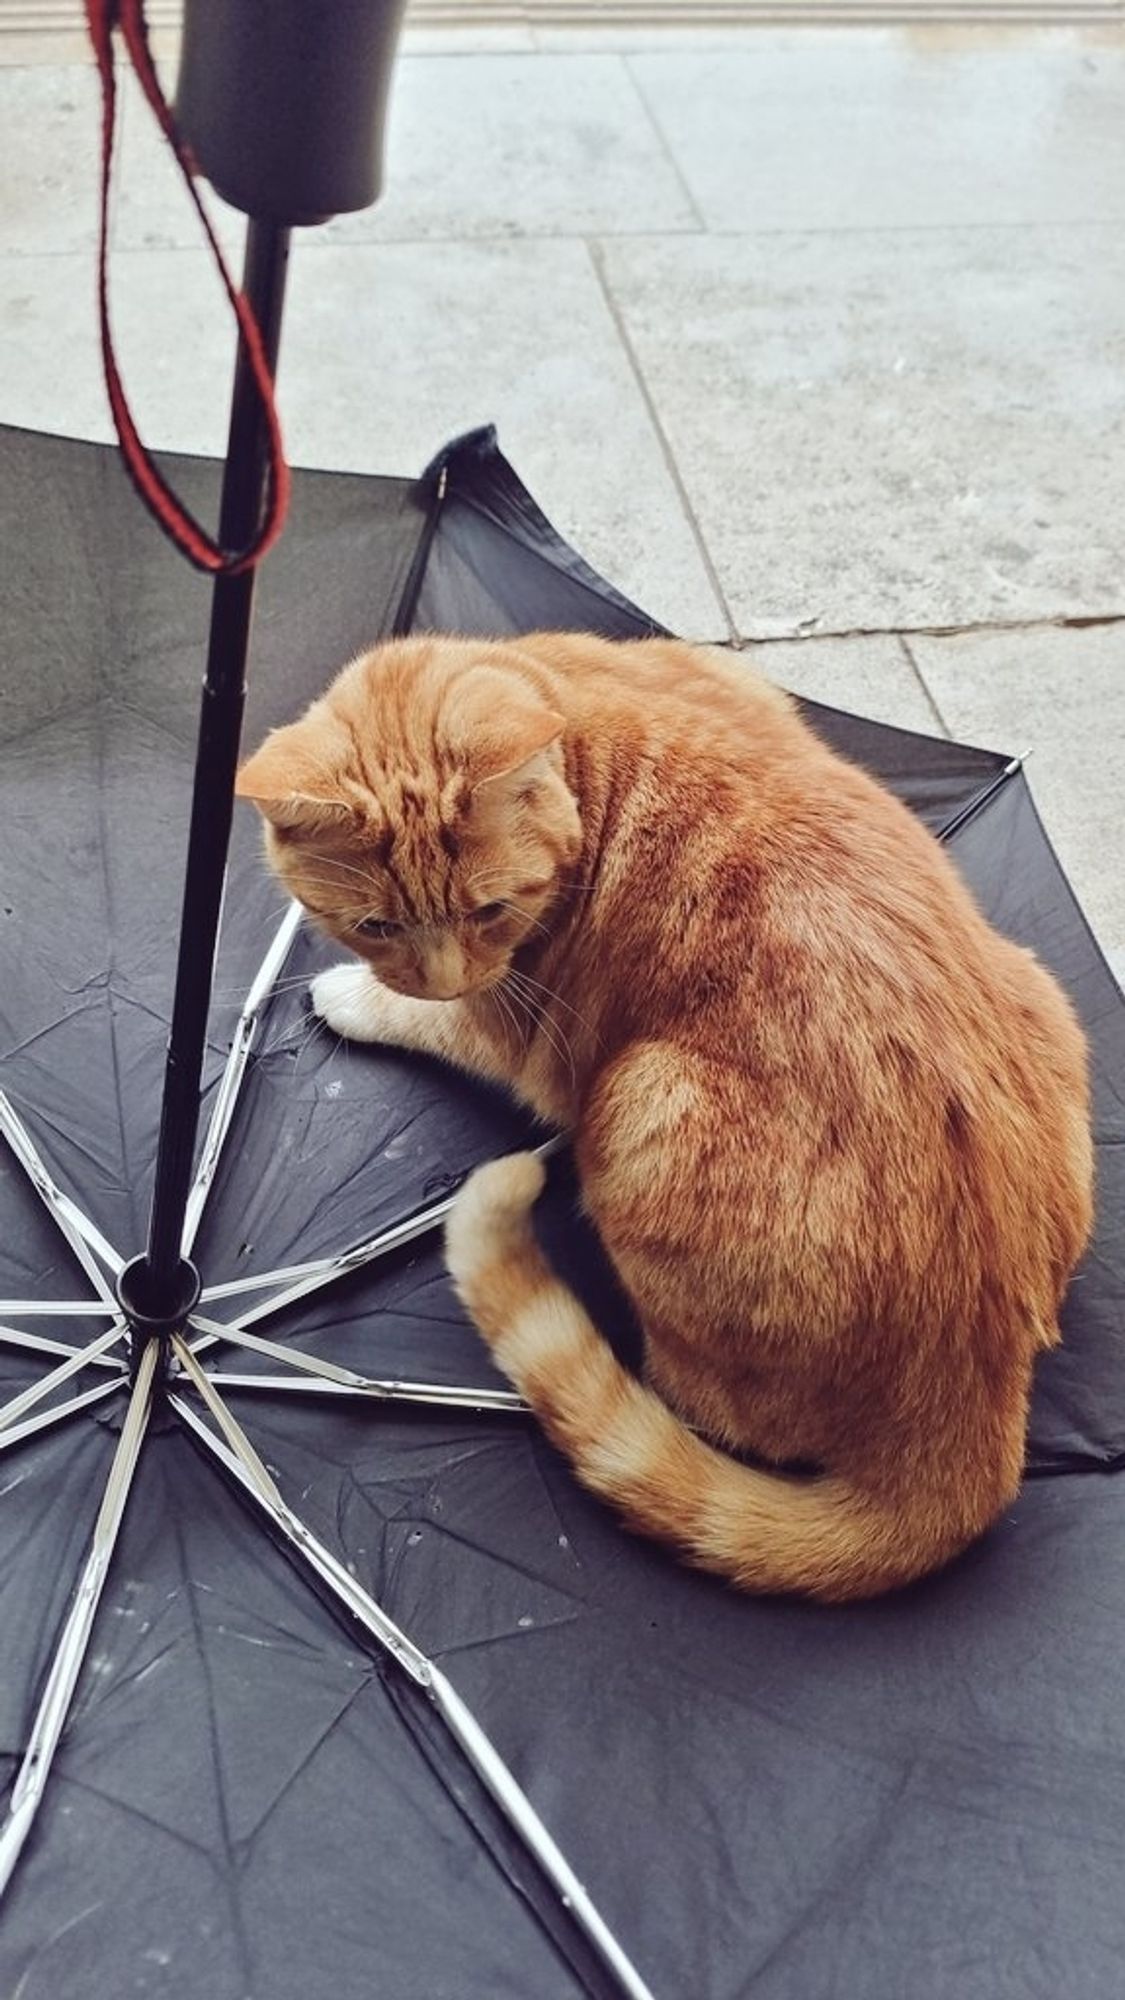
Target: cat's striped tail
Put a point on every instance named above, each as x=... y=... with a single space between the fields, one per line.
x=762 y=1530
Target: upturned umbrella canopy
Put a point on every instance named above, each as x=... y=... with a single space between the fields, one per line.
x=253 y=1794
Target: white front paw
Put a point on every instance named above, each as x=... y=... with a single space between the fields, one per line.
x=347 y=997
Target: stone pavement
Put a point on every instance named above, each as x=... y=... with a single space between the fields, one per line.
x=813 y=341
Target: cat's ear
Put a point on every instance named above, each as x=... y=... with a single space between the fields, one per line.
x=501 y=731
x=520 y=767
x=290 y=780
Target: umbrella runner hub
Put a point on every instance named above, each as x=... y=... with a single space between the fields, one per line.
x=153 y=1313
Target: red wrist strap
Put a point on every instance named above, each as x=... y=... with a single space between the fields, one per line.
x=163 y=503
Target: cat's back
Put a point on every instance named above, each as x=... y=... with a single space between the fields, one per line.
x=774 y=873
x=681 y=694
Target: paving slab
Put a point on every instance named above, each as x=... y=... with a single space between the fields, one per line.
x=50 y=150
x=1061 y=694
x=388 y=351
x=881 y=430
x=878 y=128
x=871 y=675
x=481 y=145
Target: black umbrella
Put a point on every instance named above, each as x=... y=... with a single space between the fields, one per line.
x=224 y=1781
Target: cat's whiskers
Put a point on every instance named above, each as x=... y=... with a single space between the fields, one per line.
x=322 y=885
x=525 y=979
x=300 y=1037
x=346 y=868
x=514 y=1010
x=484 y=876
x=515 y=911
x=552 y=1031
x=574 y=889
x=231 y=995
x=496 y=994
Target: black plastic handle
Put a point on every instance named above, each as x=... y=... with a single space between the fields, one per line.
x=284 y=102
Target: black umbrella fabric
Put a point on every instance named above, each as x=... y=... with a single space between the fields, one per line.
x=256 y=1791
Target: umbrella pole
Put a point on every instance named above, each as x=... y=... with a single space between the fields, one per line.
x=159 y=1288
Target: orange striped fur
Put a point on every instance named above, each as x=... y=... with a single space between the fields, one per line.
x=832 y=1128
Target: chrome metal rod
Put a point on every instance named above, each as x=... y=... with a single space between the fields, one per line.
x=346 y=1381
x=457 y=1397
x=230 y=1083
x=982 y=798
x=12 y=1411
x=243 y=1463
x=70 y=1652
x=68 y=1309
x=213 y=1332
x=232 y=1430
x=237 y=1454
x=83 y=1235
x=432 y=1395
x=482 y=1754
x=300 y=1279
x=41 y=1343
x=60 y=1412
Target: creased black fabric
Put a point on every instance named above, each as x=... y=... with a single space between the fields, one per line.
x=918 y=1797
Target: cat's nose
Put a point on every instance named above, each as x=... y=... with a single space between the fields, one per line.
x=445 y=971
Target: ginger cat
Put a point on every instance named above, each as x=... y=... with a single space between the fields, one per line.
x=832 y=1128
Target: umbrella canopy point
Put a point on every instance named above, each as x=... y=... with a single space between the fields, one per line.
x=442 y=1725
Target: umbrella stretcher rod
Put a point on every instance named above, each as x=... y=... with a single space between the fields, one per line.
x=17 y=1406
x=329 y=1376
x=61 y=1309
x=237 y=1455
x=298 y=1280
x=230 y=1084
x=62 y=1676
x=391 y=1391
x=85 y=1239
x=159 y=1288
x=60 y=1413
x=41 y=1343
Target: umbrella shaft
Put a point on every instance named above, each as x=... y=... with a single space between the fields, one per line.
x=159 y=1285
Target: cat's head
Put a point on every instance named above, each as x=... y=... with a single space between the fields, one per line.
x=420 y=811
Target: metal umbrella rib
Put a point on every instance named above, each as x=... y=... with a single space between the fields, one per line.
x=95 y=1255
x=299 y=1280
x=51 y=1309
x=424 y=1394
x=41 y=1343
x=345 y=1381
x=14 y=1409
x=230 y=1084
x=238 y=1456
x=58 y=1413
x=66 y=1664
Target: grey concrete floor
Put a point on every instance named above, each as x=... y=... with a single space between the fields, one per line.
x=811 y=341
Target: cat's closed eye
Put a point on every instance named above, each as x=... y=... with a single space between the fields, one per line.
x=378 y=927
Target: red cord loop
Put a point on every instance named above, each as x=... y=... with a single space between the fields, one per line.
x=181 y=526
